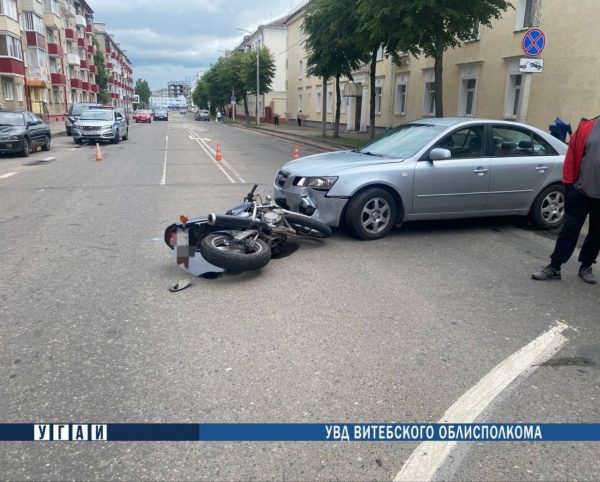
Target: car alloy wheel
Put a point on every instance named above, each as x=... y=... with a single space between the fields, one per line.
x=553 y=207
x=375 y=215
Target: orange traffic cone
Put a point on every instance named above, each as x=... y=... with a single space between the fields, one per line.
x=296 y=152
x=218 y=156
x=98 y=153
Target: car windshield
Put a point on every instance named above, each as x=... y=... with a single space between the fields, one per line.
x=11 y=119
x=105 y=115
x=79 y=108
x=403 y=141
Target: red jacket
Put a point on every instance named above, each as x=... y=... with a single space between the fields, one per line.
x=576 y=151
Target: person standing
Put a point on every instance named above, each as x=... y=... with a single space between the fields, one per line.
x=581 y=177
x=299 y=118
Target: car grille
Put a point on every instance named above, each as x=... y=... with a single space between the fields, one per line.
x=90 y=128
x=281 y=178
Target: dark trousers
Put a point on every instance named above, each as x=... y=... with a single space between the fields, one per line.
x=577 y=208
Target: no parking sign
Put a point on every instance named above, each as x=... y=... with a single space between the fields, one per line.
x=534 y=42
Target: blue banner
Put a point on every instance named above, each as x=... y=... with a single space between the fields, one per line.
x=312 y=432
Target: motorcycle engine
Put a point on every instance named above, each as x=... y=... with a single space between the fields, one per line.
x=272 y=218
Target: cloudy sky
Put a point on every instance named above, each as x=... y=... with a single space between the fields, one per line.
x=175 y=39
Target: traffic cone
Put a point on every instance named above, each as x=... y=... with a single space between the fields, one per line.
x=218 y=156
x=98 y=152
x=296 y=152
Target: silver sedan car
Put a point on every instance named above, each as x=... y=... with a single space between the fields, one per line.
x=431 y=169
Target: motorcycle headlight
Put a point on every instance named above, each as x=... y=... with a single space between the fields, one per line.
x=320 y=183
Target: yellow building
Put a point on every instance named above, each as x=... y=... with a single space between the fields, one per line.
x=481 y=77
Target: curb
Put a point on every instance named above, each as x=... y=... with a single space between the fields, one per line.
x=295 y=138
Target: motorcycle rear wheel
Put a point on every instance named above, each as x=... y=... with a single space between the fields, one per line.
x=222 y=250
x=306 y=226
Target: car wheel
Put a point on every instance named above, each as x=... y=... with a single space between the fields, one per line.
x=68 y=131
x=117 y=137
x=126 y=136
x=548 y=210
x=371 y=214
x=46 y=144
x=78 y=141
x=25 y=151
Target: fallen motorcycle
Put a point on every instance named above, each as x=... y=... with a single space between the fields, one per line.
x=242 y=239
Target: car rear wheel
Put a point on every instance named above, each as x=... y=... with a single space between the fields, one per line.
x=371 y=214
x=548 y=210
x=46 y=144
x=126 y=136
x=26 y=147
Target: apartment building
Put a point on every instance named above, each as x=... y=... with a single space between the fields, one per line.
x=119 y=69
x=272 y=36
x=481 y=78
x=47 y=57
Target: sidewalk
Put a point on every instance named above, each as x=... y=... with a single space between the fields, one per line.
x=309 y=135
x=57 y=128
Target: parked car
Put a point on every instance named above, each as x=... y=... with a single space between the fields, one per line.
x=202 y=115
x=143 y=116
x=75 y=111
x=431 y=169
x=100 y=125
x=22 y=130
x=183 y=111
x=161 y=114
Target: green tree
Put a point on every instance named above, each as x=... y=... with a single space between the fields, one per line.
x=101 y=75
x=331 y=43
x=428 y=27
x=266 y=72
x=200 y=94
x=143 y=90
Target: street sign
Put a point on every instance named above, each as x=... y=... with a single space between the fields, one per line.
x=534 y=42
x=136 y=99
x=233 y=102
x=529 y=66
x=233 y=99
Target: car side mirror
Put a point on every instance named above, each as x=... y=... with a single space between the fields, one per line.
x=439 y=154
x=30 y=123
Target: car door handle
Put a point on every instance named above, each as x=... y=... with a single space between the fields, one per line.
x=480 y=170
x=542 y=168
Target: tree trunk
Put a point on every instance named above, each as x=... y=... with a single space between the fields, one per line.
x=324 y=109
x=338 y=104
x=439 y=81
x=245 y=98
x=372 y=93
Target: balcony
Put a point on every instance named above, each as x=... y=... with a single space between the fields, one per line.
x=85 y=86
x=74 y=59
x=80 y=20
x=82 y=42
x=70 y=35
x=58 y=79
x=35 y=39
x=93 y=69
x=115 y=96
x=52 y=20
x=89 y=28
x=95 y=88
x=76 y=84
x=91 y=49
x=11 y=67
x=84 y=64
x=55 y=50
x=109 y=65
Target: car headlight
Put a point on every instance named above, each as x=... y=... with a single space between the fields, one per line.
x=320 y=183
x=12 y=138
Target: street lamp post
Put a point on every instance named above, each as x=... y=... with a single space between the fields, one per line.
x=257 y=77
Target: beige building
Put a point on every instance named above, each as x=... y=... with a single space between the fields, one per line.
x=481 y=78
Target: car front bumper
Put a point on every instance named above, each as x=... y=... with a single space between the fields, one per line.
x=11 y=145
x=96 y=136
x=311 y=202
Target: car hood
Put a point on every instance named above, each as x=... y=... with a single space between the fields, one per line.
x=333 y=162
x=11 y=130
x=93 y=123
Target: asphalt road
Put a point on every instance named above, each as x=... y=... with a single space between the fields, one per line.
x=340 y=331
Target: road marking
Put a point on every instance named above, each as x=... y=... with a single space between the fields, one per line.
x=206 y=146
x=7 y=175
x=428 y=457
x=48 y=159
x=163 y=179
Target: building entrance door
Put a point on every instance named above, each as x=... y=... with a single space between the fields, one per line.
x=357 y=113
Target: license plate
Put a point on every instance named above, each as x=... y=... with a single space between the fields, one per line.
x=91 y=133
x=189 y=258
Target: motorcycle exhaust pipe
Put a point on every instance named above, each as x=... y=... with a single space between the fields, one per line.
x=233 y=222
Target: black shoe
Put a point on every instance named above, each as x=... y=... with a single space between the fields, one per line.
x=546 y=273
x=587 y=276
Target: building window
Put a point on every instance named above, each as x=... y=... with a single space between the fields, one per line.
x=319 y=99
x=300 y=69
x=467 y=97
x=401 y=99
x=513 y=96
x=51 y=6
x=10 y=47
x=20 y=92
x=329 y=100
x=7 y=88
x=308 y=98
x=429 y=105
x=526 y=14
x=33 y=23
x=475 y=30
x=344 y=103
x=9 y=8
x=379 y=54
x=378 y=96
x=299 y=99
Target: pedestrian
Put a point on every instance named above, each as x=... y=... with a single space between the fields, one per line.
x=299 y=118
x=218 y=116
x=276 y=119
x=581 y=177
x=560 y=129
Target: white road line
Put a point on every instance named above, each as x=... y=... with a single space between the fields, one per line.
x=218 y=164
x=224 y=161
x=7 y=175
x=428 y=457
x=49 y=159
x=163 y=179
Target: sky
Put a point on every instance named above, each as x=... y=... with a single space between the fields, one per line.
x=175 y=39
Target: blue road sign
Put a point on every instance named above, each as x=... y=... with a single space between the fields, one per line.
x=233 y=98
x=534 y=42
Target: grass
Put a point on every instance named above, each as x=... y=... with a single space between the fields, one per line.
x=345 y=141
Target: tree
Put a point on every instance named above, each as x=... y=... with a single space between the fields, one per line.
x=429 y=27
x=143 y=90
x=248 y=74
x=200 y=94
x=101 y=75
x=331 y=43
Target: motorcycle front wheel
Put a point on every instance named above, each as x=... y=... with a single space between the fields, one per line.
x=224 y=251
x=306 y=226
